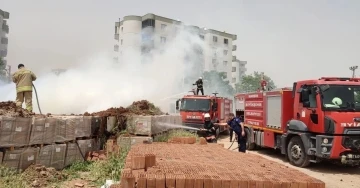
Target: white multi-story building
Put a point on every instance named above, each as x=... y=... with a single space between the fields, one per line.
x=136 y=35
x=238 y=71
x=4 y=30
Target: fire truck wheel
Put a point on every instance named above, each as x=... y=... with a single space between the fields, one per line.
x=296 y=152
x=249 y=145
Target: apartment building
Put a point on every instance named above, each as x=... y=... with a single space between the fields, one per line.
x=138 y=35
x=4 y=30
x=238 y=71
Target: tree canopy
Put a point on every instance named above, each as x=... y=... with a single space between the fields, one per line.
x=215 y=82
x=251 y=83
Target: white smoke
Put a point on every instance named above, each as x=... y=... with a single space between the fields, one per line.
x=97 y=83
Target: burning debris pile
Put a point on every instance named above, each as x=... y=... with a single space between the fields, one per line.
x=9 y=109
x=142 y=107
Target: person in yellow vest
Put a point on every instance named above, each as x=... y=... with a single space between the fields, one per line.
x=23 y=79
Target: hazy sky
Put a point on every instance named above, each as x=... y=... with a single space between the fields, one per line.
x=304 y=39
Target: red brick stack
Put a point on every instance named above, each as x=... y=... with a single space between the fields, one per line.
x=161 y=165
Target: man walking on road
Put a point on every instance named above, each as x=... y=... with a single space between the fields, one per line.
x=23 y=79
x=239 y=130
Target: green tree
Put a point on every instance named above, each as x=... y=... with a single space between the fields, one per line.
x=215 y=82
x=252 y=82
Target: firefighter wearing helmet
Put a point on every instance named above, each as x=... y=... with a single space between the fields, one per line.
x=199 y=85
x=209 y=125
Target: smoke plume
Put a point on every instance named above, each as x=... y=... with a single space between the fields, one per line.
x=97 y=83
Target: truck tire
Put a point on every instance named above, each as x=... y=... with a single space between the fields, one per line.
x=249 y=145
x=296 y=153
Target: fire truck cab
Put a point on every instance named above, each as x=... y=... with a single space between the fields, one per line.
x=315 y=120
x=193 y=108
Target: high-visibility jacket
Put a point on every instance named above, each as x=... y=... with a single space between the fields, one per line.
x=23 y=79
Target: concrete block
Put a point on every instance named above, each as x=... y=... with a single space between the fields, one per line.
x=28 y=157
x=44 y=157
x=111 y=123
x=12 y=159
x=140 y=125
x=14 y=131
x=125 y=141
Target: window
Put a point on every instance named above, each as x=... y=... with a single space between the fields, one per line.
x=121 y=42
x=214 y=38
x=225 y=63
x=163 y=26
x=225 y=52
x=233 y=69
x=233 y=80
x=163 y=40
x=193 y=105
x=225 y=75
x=122 y=29
x=226 y=41
x=148 y=22
x=202 y=37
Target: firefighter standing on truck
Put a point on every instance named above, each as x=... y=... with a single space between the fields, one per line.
x=239 y=130
x=23 y=79
x=199 y=85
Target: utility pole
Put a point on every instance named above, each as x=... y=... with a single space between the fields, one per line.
x=353 y=68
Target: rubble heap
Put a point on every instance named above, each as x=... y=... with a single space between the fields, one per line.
x=40 y=176
x=142 y=107
x=209 y=165
x=8 y=109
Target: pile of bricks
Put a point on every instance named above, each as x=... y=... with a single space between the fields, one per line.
x=161 y=165
x=183 y=140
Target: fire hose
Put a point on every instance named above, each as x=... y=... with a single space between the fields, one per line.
x=37 y=99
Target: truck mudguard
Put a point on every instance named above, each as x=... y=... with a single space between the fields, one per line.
x=296 y=125
x=305 y=137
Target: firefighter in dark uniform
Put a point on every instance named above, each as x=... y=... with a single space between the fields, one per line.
x=239 y=130
x=199 y=85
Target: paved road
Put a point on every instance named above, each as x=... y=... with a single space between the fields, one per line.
x=333 y=175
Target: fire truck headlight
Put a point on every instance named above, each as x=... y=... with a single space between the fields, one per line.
x=325 y=141
x=324 y=149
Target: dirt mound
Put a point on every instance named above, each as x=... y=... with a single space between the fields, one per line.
x=142 y=107
x=40 y=176
x=9 y=109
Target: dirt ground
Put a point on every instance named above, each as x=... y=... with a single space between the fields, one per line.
x=333 y=175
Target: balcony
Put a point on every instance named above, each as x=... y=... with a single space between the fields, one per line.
x=116 y=48
x=234 y=47
x=116 y=37
x=5 y=28
x=4 y=40
x=233 y=58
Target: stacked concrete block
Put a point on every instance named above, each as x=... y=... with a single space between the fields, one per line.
x=45 y=154
x=14 y=131
x=96 y=126
x=86 y=126
x=49 y=130
x=140 y=125
x=72 y=154
x=37 y=131
x=1 y=156
x=70 y=128
x=28 y=157
x=12 y=159
x=86 y=146
x=58 y=156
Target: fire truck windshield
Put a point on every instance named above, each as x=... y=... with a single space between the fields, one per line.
x=195 y=105
x=341 y=98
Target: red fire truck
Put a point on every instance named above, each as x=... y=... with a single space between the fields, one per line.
x=313 y=121
x=193 y=108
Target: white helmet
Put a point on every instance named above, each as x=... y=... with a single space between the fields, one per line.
x=337 y=101
x=207 y=115
x=200 y=78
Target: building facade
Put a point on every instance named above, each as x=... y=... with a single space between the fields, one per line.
x=4 y=30
x=137 y=36
x=238 y=71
